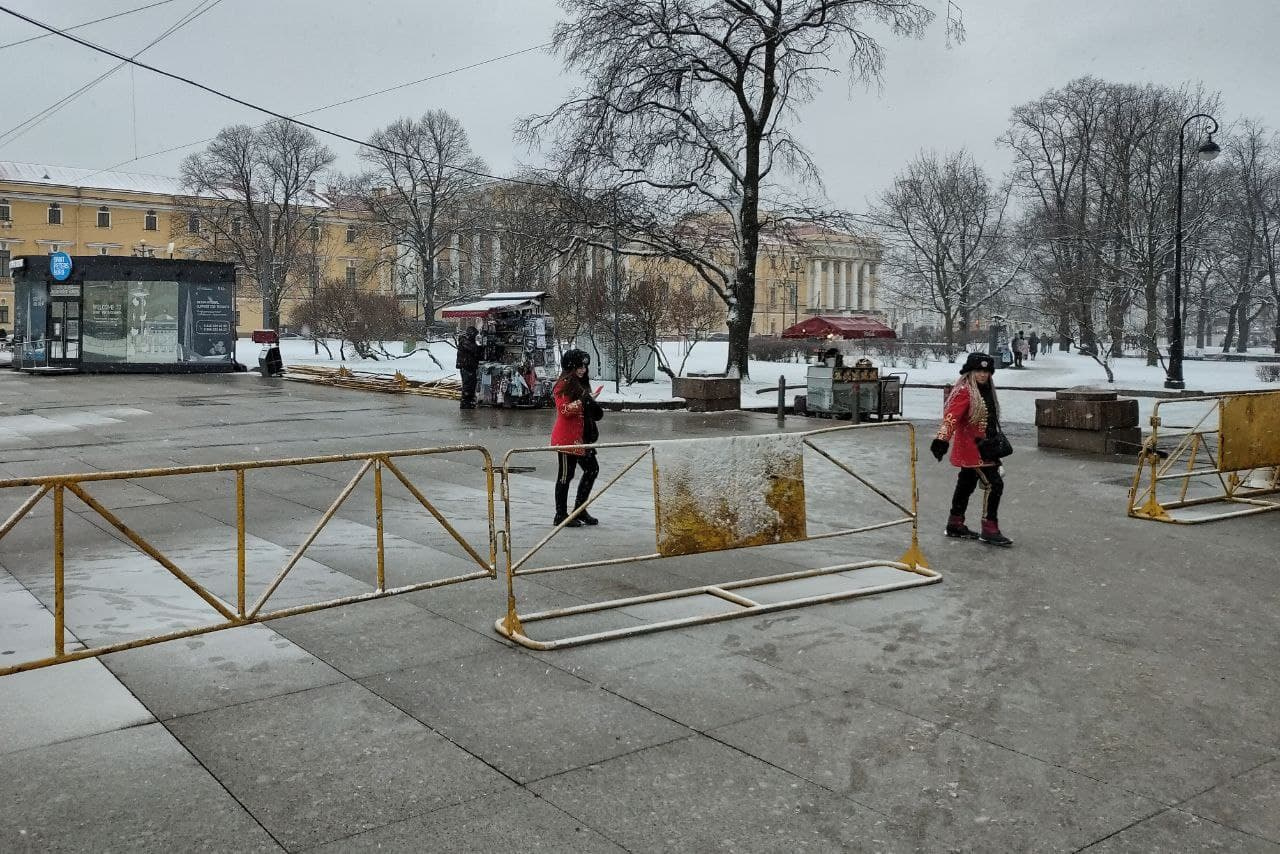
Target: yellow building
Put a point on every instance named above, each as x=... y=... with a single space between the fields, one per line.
x=45 y=209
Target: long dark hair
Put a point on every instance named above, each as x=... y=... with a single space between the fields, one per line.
x=571 y=385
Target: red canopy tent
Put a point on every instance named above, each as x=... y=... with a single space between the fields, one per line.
x=831 y=326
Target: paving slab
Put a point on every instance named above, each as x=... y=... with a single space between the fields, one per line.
x=1176 y=832
x=134 y=790
x=218 y=669
x=524 y=717
x=1250 y=802
x=699 y=795
x=969 y=792
x=383 y=635
x=327 y=763
x=513 y=820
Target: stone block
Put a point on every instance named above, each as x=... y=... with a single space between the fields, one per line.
x=1119 y=440
x=708 y=394
x=1075 y=414
x=1083 y=392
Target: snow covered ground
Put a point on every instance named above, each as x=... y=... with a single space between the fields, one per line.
x=1055 y=370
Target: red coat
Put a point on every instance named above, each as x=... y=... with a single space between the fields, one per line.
x=962 y=433
x=569 y=421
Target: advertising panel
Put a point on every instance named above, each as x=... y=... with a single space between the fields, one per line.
x=206 y=334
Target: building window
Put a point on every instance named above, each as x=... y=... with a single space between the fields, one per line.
x=54 y=247
x=5 y=257
x=351 y=274
x=235 y=226
x=103 y=250
x=6 y=213
x=351 y=234
x=4 y=314
x=55 y=214
x=193 y=224
x=104 y=217
x=151 y=222
x=315 y=232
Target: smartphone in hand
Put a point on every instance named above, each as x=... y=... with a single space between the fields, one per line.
x=599 y=389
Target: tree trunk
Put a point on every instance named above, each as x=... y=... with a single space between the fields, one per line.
x=949 y=335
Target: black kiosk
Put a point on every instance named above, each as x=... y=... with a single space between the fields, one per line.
x=102 y=313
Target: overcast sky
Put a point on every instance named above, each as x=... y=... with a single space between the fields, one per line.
x=294 y=55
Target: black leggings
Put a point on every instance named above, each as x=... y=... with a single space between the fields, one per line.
x=568 y=463
x=992 y=489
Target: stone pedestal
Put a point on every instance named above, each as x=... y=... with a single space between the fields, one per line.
x=1089 y=420
x=708 y=394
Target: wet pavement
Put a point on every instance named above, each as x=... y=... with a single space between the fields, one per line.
x=1107 y=685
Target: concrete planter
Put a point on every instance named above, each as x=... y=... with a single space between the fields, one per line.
x=1088 y=420
x=708 y=394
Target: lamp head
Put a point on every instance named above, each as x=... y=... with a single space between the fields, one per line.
x=1209 y=149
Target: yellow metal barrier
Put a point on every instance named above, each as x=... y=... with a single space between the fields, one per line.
x=242 y=612
x=672 y=538
x=1228 y=453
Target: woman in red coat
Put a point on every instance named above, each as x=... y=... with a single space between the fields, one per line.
x=970 y=414
x=576 y=415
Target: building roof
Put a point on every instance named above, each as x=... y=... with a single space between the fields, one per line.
x=495 y=302
x=40 y=175
x=834 y=326
x=88 y=179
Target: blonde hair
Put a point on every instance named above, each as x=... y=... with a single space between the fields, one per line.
x=978 y=412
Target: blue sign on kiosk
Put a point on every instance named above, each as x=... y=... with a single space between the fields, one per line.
x=60 y=266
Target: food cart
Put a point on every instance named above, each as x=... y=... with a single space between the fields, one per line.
x=833 y=390
x=518 y=365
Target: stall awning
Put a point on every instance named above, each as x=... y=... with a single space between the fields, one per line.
x=496 y=302
x=833 y=326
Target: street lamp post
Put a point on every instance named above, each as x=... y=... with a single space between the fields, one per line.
x=797 y=264
x=1207 y=151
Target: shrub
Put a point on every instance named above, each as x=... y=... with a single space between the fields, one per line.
x=766 y=348
x=1269 y=372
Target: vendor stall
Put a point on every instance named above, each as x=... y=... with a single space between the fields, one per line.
x=518 y=365
x=857 y=392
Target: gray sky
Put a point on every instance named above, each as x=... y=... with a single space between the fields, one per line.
x=294 y=55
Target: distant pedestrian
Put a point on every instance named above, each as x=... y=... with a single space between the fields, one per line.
x=1016 y=350
x=970 y=427
x=576 y=415
x=1024 y=349
x=1034 y=344
x=468 y=364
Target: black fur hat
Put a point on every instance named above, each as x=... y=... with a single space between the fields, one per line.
x=978 y=362
x=574 y=359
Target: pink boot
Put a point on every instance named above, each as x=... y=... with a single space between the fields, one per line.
x=991 y=534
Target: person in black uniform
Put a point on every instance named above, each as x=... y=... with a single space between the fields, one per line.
x=468 y=364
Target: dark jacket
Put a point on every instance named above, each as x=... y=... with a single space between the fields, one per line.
x=592 y=413
x=468 y=353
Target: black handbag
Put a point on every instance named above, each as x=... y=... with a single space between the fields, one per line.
x=995 y=447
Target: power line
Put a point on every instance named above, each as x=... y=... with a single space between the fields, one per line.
x=88 y=23
x=265 y=110
x=22 y=128
x=342 y=103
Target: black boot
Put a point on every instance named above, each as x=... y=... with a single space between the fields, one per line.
x=583 y=495
x=991 y=534
x=958 y=529
x=575 y=522
x=562 y=503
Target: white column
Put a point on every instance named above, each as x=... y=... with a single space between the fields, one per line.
x=815 y=282
x=454 y=260
x=873 y=296
x=837 y=284
x=862 y=282
x=496 y=262
x=850 y=286
x=475 y=262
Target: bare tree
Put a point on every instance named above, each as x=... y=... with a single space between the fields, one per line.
x=422 y=187
x=353 y=315
x=687 y=109
x=253 y=201
x=945 y=227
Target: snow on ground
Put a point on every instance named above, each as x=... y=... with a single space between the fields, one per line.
x=1051 y=371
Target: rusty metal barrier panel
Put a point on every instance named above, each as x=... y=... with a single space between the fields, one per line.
x=60 y=490
x=1226 y=451
x=712 y=495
